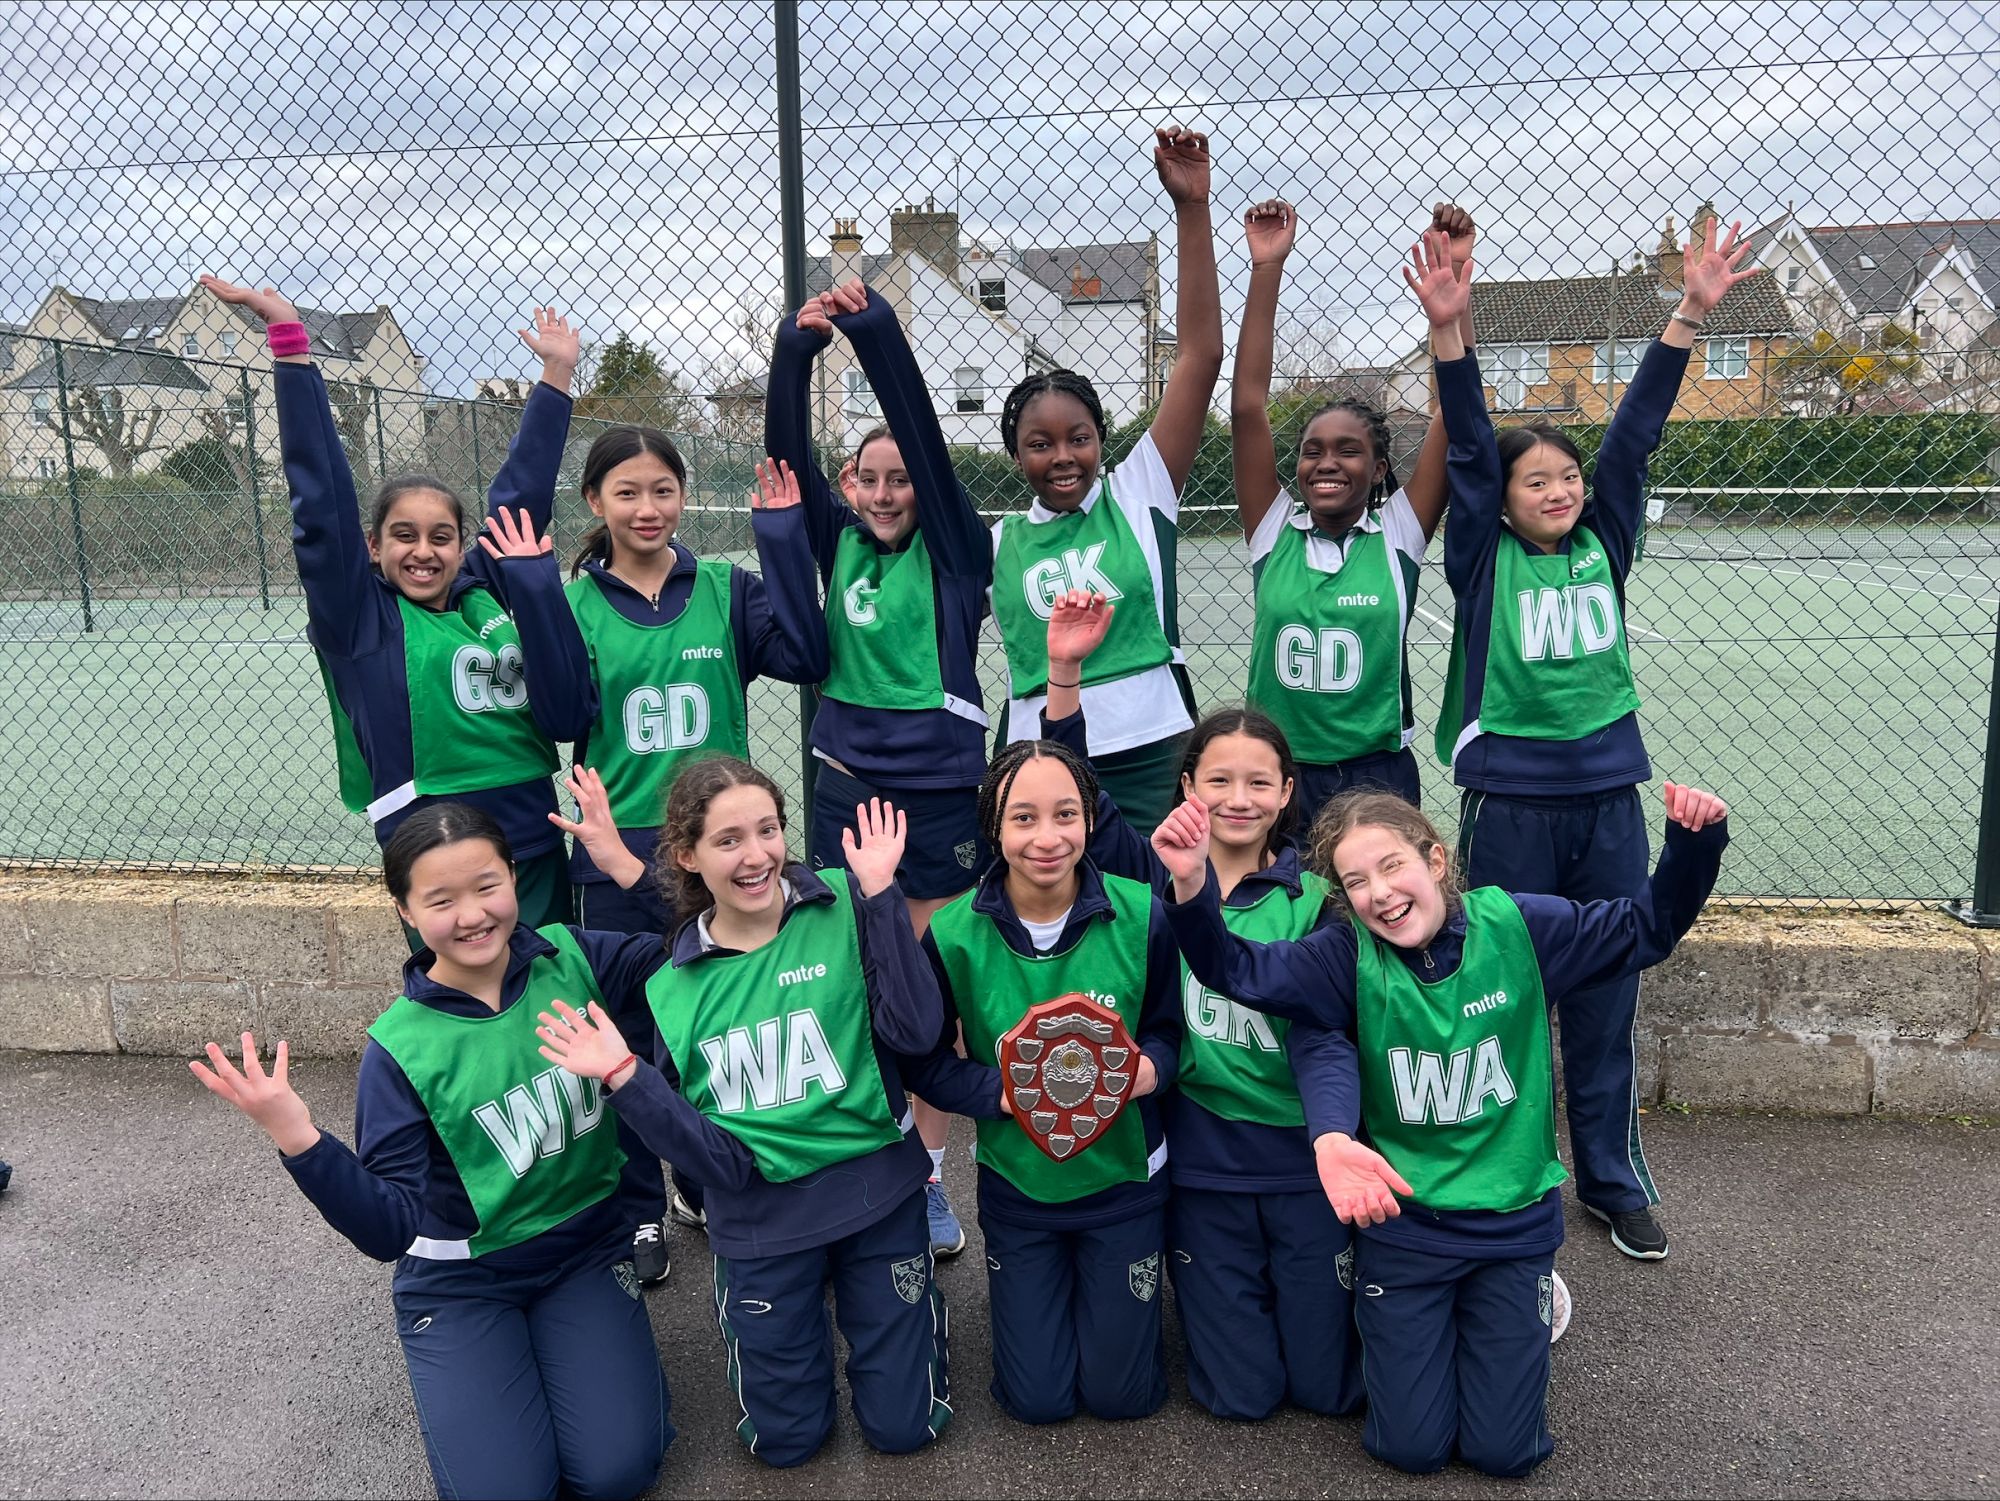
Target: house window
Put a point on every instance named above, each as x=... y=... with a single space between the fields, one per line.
x=45 y=466
x=40 y=403
x=228 y=342
x=191 y=344
x=1727 y=359
x=1865 y=262
x=858 y=396
x=1793 y=276
x=993 y=295
x=971 y=383
x=1512 y=368
x=1616 y=363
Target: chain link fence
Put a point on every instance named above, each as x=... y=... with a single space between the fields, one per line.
x=1813 y=617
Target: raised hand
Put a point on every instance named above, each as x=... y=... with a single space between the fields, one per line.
x=1270 y=227
x=1456 y=225
x=777 y=487
x=268 y=1099
x=592 y=827
x=816 y=316
x=1181 y=157
x=513 y=536
x=1077 y=626
x=849 y=481
x=1358 y=1180
x=589 y=1046
x=1691 y=808
x=1444 y=290
x=849 y=297
x=1708 y=270
x=874 y=846
x=556 y=344
x=270 y=304
x=1181 y=842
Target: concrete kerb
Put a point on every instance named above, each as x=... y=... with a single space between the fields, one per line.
x=1768 y=1009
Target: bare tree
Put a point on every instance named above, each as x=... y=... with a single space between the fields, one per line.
x=98 y=415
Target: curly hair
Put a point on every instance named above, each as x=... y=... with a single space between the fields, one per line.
x=697 y=786
x=1378 y=810
x=999 y=781
x=1066 y=381
x=1378 y=439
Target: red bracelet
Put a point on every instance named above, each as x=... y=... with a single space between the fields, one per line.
x=287 y=339
x=631 y=1060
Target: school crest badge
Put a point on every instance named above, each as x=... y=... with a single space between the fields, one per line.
x=1343 y=1268
x=909 y=1278
x=965 y=853
x=1143 y=1277
x=1069 y=1066
x=1545 y=1293
x=628 y=1277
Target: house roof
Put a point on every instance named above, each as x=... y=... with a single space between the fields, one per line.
x=1120 y=270
x=84 y=366
x=819 y=271
x=1879 y=265
x=1578 y=309
x=140 y=320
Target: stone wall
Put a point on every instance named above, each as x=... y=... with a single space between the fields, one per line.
x=1758 y=1009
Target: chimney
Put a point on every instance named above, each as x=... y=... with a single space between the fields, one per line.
x=1082 y=284
x=1669 y=254
x=926 y=230
x=845 y=263
x=845 y=236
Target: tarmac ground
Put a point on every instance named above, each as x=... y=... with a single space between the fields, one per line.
x=178 y=1321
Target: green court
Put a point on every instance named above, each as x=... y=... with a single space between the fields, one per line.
x=1837 y=698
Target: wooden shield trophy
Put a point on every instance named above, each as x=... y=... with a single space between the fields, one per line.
x=1070 y=1066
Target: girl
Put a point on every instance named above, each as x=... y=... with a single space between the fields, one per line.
x=1336 y=568
x=1072 y=1248
x=1540 y=722
x=1445 y=998
x=1253 y=1244
x=1113 y=533
x=423 y=668
x=777 y=1018
x=492 y=1181
x=906 y=567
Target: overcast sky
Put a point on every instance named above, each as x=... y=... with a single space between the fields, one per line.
x=460 y=162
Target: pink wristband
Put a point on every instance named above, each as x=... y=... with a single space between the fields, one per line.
x=287 y=338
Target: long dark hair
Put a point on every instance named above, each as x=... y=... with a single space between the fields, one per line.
x=1066 y=381
x=1242 y=720
x=697 y=785
x=433 y=827
x=1517 y=441
x=613 y=447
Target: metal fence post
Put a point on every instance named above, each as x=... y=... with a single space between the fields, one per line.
x=256 y=489
x=381 y=448
x=478 y=467
x=1983 y=911
x=75 y=499
x=792 y=237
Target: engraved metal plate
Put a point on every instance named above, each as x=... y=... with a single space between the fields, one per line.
x=1068 y=1066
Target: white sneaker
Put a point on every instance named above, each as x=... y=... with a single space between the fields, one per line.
x=1560 y=1311
x=685 y=1213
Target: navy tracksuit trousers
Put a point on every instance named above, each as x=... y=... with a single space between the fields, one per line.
x=1076 y=1318
x=1455 y=1356
x=1585 y=848
x=527 y=1384
x=1390 y=771
x=1262 y=1282
x=611 y=908
x=772 y=1310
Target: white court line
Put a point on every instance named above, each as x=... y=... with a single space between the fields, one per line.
x=1977 y=574
x=1445 y=626
x=1820 y=578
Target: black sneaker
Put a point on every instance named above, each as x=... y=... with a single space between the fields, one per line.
x=650 y=1261
x=6 y=1176
x=1635 y=1232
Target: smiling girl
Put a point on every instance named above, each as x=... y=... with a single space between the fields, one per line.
x=1072 y=1247
x=1114 y=532
x=1457 y=1202
x=1335 y=559
x=1540 y=721
x=423 y=667
x=497 y=1184
x=786 y=998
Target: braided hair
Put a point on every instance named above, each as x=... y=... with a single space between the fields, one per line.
x=1000 y=776
x=1066 y=381
x=1378 y=438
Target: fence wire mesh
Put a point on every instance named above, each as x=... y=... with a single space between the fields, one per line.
x=1813 y=616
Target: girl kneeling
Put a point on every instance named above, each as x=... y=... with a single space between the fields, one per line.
x=1446 y=1000
x=1072 y=1247
x=784 y=995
